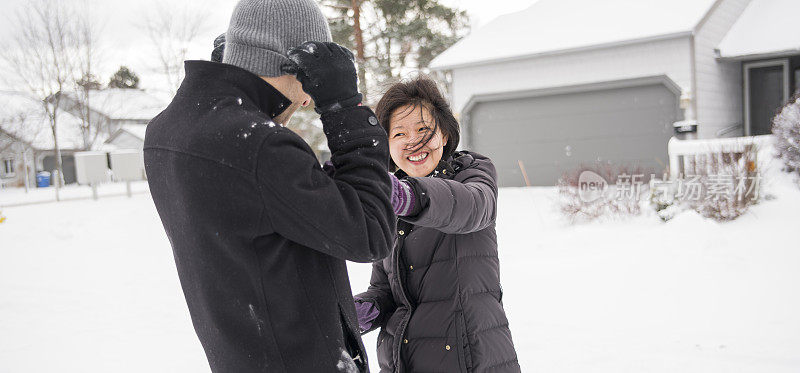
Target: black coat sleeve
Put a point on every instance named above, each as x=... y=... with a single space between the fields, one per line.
x=348 y=216
x=379 y=294
x=465 y=204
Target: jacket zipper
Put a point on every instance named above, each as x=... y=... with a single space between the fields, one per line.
x=407 y=318
x=402 y=329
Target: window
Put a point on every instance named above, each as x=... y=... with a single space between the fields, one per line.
x=8 y=166
x=766 y=90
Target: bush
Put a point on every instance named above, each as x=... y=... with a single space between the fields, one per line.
x=738 y=169
x=724 y=186
x=786 y=128
x=621 y=199
x=665 y=204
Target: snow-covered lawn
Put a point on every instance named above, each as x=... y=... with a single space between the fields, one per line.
x=90 y=286
x=73 y=192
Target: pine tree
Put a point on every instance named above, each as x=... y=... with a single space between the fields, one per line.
x=89 y=82
x=417 y=31
x=786 y=128
x=390 y=37
x=124 y=78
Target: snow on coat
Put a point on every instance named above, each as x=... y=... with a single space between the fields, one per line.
x=260 y=233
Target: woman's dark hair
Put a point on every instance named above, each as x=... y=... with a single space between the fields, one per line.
x=420 y=92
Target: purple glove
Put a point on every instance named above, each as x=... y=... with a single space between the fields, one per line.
x=367 y=313
x=329 y=168
x=403 y=199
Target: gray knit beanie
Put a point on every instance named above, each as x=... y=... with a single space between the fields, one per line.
x=261 y=31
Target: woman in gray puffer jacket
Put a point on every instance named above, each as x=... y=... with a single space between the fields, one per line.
x=437 y=298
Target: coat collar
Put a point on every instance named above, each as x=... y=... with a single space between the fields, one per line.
x=443 y=170
x=212 y=78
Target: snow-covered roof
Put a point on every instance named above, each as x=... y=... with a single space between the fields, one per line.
x=767 y=27
x=126 y=104
x=119 y=140
x=550 y=26
x=24 y=117
x=137 y=130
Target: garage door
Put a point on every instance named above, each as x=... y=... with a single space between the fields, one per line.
x=67 y=163
x=558 y=133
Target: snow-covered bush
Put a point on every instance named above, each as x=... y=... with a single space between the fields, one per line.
x=786 y=128
x=602 y=199
x=722 y=187
x=731 y=184
x=665 y=204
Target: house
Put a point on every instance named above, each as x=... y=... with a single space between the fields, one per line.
x=119 y=118
x=566 y=83
x=16 y=156
x=29 y=140
x=121 y=114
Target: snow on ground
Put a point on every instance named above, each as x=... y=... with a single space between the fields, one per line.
x=17 y=196
x=90 y=286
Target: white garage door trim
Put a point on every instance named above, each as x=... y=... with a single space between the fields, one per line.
x=466 y=141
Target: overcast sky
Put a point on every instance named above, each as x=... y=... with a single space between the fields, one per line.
x=126 y=44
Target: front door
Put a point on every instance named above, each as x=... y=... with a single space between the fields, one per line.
x=766 y=90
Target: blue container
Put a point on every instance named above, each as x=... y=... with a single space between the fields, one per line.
x=43 y=179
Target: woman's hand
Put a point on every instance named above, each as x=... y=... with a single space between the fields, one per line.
x=404 y=199
x=367 y=313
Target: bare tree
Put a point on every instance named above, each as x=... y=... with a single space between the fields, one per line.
x=171 y=31
x=41 y=57
x=88 y=57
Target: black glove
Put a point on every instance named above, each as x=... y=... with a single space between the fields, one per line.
x=328 y=74
x=219 y=49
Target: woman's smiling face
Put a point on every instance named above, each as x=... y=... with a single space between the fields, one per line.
x=408 y=126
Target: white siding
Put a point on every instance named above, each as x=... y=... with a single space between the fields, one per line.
x=20 y=155
x=671 y=57
x=719 y=84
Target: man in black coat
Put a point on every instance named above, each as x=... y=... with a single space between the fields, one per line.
x=260 y=233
